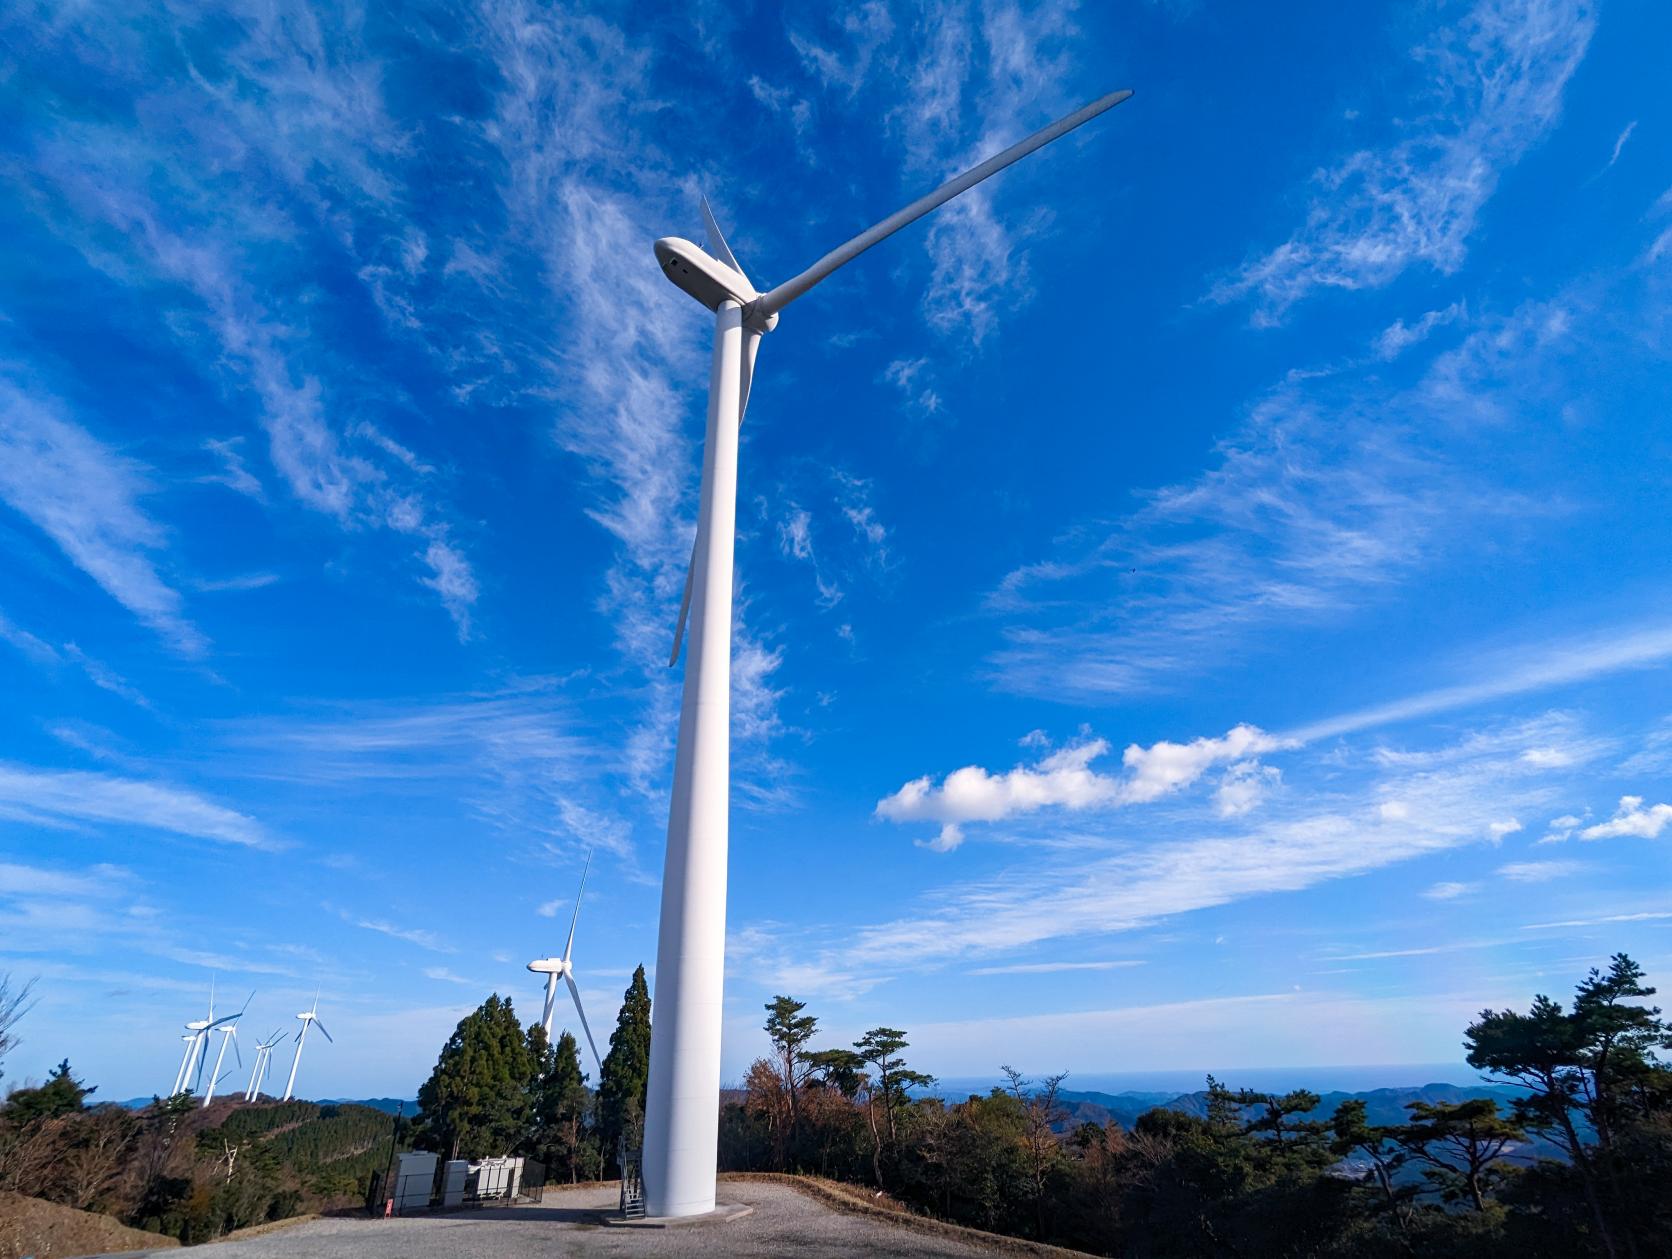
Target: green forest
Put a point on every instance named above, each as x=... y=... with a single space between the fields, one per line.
x=1576 y=1161
x=1570 y=1156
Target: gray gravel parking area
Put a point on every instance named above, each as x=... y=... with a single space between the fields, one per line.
x=785 y=1222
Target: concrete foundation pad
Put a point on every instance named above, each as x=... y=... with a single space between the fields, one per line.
x=723 y=1213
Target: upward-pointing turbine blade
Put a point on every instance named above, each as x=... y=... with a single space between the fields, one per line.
x=771 y=303
x=575 y=992
x=717 y=243
x=570 y=943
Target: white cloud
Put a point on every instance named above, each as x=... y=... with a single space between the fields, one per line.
x=1065 y=780
x=1133 y=877
x=86 y=498
x=1449 y=891
x=1508 y=827
x=1397 y=338
x=1051 y=968
x=795 y=534
x=1605 y=920
x=1504 y=674
x=67 y=797
x=1631 y=818
x=446 y=976
x=1620 y=143
x=1496 y=81
x=1539 y=871
x=38 y=650
x=411 y=935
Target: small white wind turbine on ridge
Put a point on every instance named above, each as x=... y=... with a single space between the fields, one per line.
x=310 y=1018
x=263 y=1064
x=197 y=1046
x=228 y=1028
x=553 y=967
x=683 y=1103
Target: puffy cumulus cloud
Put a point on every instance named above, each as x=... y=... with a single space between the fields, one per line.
x=1165 y=767
x=1065 y=779
x=1244 y=786
x=1631 y=818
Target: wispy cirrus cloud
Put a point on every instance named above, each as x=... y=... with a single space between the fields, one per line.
x=1494 y=86
x=304 y=146
x=87 y=499
x=1338 y=488
x=69 y=798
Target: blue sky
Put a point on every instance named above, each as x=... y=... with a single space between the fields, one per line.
x=1202 y=598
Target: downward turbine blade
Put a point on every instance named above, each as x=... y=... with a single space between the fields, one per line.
x=771 y=303
x=235 y=1052
x=751 y=347
x=322 y=1031
x=575 y=992
x=684 y=605
x=717 y=242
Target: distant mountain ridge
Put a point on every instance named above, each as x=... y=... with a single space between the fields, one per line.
x=388 y=1105
x=1382 y=1106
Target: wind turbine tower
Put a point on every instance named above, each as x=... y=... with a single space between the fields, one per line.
x=682 y=1110
x=263 y=1064
x=228 y=1028
x=310 y=1018
x=554 y=967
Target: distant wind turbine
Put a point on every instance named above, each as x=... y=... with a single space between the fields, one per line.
x=228 y=1028
x=309 y=1019
x=197 y=1042
x=263 y=1064
x=553 y=967
x=683 y=1104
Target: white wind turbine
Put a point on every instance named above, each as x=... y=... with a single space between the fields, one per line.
x=309 y=1019
x=263 y=1064
x=553 y=967
x=228 y=1028
x=197 y=1042
x=682 y=1109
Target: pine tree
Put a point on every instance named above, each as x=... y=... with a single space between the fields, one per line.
x=561 y=1103
x=477 y=1101
x=790 y=1030
x=62 y=1094
x=626 y=1075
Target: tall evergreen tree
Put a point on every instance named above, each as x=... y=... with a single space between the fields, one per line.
x=625 y=1078
x=477 y=1101
x=561 y=1103
x=790 y=1030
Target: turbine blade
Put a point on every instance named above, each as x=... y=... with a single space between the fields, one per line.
x=570 y=943
x=322 y=1031
x=575 y=992
x=751 y=347
x=684 y=605
x=717 y=242
x=235 y=1053
x=771 y=303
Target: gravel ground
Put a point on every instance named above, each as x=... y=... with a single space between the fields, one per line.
x=785 y=1222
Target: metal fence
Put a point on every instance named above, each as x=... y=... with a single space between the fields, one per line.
x=457 y=1185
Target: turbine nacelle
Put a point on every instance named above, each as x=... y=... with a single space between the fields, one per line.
x=705 y=278
x=550 y=966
